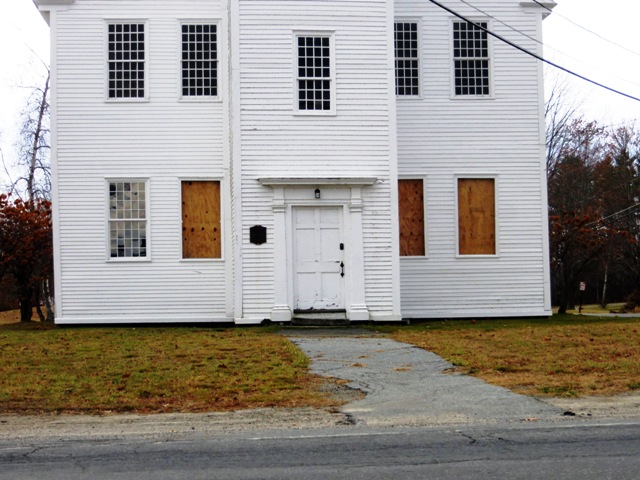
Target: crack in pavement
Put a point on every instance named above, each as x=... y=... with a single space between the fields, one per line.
x=422 y=395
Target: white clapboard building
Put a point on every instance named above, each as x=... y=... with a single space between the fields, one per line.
x=250 y=160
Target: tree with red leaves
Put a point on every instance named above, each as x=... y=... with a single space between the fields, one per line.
x=26 y=250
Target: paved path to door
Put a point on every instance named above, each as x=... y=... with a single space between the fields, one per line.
x=406 y=385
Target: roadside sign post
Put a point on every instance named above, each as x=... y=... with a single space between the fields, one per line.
x=583 y=287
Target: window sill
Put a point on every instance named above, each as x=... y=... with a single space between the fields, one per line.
x=318 y=113
x=470 y=98
x=196 y=260
x=129 y=260
x=127 y=100
x=202 y=99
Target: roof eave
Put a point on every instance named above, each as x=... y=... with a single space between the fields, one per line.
x=544 y=6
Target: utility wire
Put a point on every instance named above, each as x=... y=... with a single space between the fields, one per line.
x=626 y=211
x=587 y=30
x=479 y=10
x=508 y=26
x=532 y=54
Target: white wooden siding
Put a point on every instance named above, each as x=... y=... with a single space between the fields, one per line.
x=161 y=139
x=443 y=137
x=164 y=140
x=275 y=142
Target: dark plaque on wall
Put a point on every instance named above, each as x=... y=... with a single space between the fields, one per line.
x=258 y=234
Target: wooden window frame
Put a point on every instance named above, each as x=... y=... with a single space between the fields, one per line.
x=219 y=250
x=496 y=230
x=322 y=33
x=418 y=57
x=423 y=253
x=218 y=80
x=109 y=220
x=453 y=60
x=108 y=60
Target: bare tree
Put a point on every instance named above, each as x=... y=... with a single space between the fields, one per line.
x=31 y=180
x=33 y=146
x=561 y=110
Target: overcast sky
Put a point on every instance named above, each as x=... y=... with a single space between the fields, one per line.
x=24 y=44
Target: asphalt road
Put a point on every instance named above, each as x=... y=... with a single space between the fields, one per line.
x=574 y=450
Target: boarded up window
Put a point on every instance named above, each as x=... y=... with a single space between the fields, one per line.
x=476 y=216
x=411 y=209
x=201 y=233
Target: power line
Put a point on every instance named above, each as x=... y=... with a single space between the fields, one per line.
x=586 y=29
x=619 y=215
x=507 y=25
x=532 y=54
x=545 y=46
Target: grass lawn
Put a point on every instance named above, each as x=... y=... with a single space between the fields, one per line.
x=563 y=356
x=44 y=368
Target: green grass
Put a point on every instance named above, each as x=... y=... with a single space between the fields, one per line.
x=562 y=356
x=151 y=369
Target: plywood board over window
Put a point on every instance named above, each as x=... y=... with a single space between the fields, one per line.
x=411 y=213
x=201 y=233
x=476 y=216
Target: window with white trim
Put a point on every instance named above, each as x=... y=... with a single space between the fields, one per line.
x=314 y=74
x=471 y=59
x=199 y=60
x=126 y=64
x=407 y=58
x=127 y=219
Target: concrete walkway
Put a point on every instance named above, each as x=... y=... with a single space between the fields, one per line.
x=406 y=385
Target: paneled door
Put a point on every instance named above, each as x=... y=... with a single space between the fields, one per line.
x=318 y=250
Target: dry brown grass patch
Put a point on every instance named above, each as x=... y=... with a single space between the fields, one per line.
x=151 y=369
x=564 y=356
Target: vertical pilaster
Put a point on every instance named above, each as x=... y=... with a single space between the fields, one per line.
x=357 y=308
x=280 y=311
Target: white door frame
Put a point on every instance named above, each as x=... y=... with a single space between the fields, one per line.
x=336 y=192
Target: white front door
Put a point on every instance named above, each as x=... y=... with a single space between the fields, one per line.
x=318 y=258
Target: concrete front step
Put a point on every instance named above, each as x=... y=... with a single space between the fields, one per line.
x=329 y=319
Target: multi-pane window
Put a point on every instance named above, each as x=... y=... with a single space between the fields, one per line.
x=201 y=232
x=314 y=73
x=407 y=58
x=199 y=60
x=476 y=216
x=471 y=58
x=127 y=219
x=126 y=60
x=411 y=214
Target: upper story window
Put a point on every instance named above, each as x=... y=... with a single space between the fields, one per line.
x=407 y=58
x=127 y=219
x=126 y=60
x=471 y=59
x=315 y=73
x=199 y=60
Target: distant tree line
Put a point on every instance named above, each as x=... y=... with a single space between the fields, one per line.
x=593 y=174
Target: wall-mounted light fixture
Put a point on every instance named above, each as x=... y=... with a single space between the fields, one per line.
x=317 y=193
